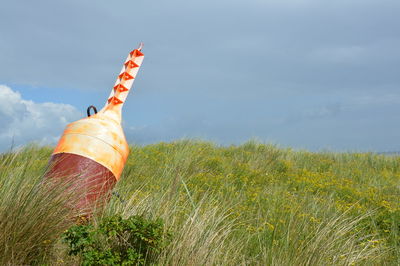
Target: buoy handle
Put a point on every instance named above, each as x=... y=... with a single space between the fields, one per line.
x=89 y=108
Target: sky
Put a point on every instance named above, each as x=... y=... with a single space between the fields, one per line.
x=306 y=74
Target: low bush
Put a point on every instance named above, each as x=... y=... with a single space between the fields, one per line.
x=117 y=241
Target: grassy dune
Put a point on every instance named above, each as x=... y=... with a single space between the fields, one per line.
x=252 y=204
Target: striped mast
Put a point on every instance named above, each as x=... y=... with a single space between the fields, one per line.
x=123 y=84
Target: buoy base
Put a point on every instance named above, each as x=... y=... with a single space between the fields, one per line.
x=89 y=180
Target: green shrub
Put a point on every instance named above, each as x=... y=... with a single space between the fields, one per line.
x=117 y=241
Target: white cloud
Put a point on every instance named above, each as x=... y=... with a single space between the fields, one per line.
x=23 y=121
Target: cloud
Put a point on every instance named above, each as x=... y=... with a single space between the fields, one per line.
x=24 y=121
x=345 y=55
x=294 y=71
x=252 y=43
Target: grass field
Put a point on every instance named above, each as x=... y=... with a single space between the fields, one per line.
x=252 y=204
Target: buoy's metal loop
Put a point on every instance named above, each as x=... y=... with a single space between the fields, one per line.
x=91 y=107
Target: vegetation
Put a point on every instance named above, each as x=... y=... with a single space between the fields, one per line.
x=117 y=241
x=252 y=204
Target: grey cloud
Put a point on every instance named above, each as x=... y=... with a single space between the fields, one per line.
x=79 y=44
x=228 y=70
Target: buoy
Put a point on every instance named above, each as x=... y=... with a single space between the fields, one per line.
x=92 y=151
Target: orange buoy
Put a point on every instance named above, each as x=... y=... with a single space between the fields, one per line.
x=92 y=151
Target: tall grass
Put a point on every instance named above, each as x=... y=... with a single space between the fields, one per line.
x=33 y=213
x=252 y=204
